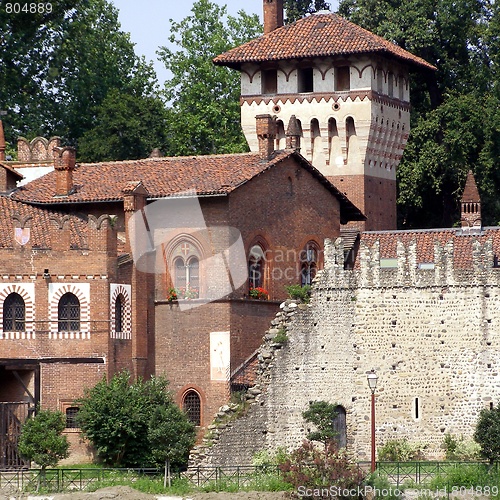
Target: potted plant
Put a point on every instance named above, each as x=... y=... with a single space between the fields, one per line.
x=258 y=293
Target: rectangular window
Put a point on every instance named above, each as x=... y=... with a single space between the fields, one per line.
x=389 y=263
x=306 y=80
x=426 y=266
x=343 y=78
x=269 y=81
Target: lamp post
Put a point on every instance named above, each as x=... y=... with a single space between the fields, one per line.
x=372 y=384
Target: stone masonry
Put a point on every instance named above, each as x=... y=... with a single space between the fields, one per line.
x=432 y=335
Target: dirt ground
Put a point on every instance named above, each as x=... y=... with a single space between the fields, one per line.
x=126 y=493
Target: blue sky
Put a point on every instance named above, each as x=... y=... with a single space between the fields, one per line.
x=148 y=23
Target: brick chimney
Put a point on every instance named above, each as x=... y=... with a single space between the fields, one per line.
x=266 y=133
x=273 y=15
x=2 y=142
x=471 y=204
x=64 y=164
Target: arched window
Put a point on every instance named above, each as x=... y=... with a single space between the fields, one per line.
x=13 y=313
x=119 y=303
x=68 y=313
x=280 y=135
x=186 y=270
x=192 y=406
x=256 y=266
x=340 y=427
x=309 y=263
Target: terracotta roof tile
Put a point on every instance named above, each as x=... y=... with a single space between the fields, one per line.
x=168 y=176
x=425 y=240
x=470 y=194
x=319 y=35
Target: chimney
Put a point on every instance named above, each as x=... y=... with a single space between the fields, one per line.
x=266 y=133
x=64 y=164
x=2 y=142
x=273 y=15
x=471 y=204
x=293 y=134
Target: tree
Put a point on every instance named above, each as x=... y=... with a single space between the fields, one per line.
x=322 y=415
x=128 y=127
x=41 y=440
x=295 y=9
x=204 y=98
x=122 y=420
x=487 y=433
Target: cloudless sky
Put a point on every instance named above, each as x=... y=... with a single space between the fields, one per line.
x=148 y=22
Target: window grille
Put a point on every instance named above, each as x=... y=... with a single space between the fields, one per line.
x=69 y=313
x=14 y=313
x=71 y=413
x=192 y=407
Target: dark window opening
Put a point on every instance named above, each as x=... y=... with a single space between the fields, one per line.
x=69 y=313
x=306 y=80
x=14 y=313
x=269 y=81
x=119 y=313
x=343 y=78
x=192 y=407
x=71 y=417
x=340 y=427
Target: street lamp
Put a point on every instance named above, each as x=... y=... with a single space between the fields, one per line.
x=372 y=384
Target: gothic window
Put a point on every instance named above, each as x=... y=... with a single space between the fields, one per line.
x=390 y=84
x=256 y=266
x=119 y=306
x=340 y=427
x=71 y=413
x=380 y=80
x=343 y=78
x=13 y=313
x=309 y=263
x=192 y=406
x=186 y=270
x=305 y=80
x=269 y=81
x=68 y=313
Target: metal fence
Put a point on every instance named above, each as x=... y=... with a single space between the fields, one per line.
x=239 y=475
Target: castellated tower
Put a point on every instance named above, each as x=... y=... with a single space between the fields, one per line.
x=349 y=92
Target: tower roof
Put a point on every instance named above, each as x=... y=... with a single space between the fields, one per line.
x=470 y=194
x=318 y=35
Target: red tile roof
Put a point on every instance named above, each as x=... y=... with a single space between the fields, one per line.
x=470 y=194
x=319 y=35
x=169 y=176
x=39 y=220
x=425 y=240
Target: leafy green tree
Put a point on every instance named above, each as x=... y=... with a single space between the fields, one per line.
x=204 y=98
x=487 y=433
x=295 y=9
x=322 y=415
x=41 y=439
x=127 y=127
x=121 y=419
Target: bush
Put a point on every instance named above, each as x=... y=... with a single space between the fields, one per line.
x=487 y=433
x=298 y=292
x=135 y=424
x=460 y=449
x=315 y=468
x=400 y=450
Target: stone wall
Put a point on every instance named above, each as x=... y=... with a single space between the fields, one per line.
x=431 y=335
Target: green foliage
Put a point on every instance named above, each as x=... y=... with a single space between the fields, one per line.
x=464 y=475
x=460 y=449
x=270 y=457
x=281 y=337
x=41 y=439
x=315 y=468
x=135 y=424
x=322 y=415
x=299 y=292
x=487 y=433
x=295 y=9
x=400 y=450
x=204 y=117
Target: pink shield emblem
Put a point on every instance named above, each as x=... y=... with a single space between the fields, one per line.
x=22 y=235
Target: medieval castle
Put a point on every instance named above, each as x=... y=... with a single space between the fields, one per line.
x=325 y=109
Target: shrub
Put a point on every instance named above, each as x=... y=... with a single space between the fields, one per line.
x=299 y=292
x=460 y=449
x=281 y=337
x=400 y=450
x=487 y=433
x=322 y=415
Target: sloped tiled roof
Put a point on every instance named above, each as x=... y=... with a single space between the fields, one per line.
x=319 y=35
x=209 y=175
x=39 y=220
x=470 y=194
x=425 y=240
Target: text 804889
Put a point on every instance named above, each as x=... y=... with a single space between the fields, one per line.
x=28 y=8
